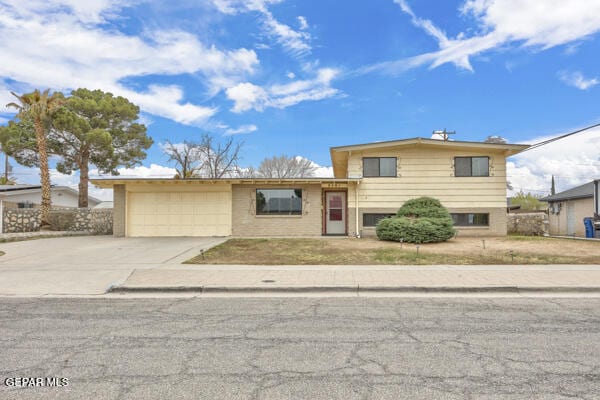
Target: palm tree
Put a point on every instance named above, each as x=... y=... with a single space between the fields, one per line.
x=39 y=107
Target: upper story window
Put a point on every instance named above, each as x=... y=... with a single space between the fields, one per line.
x=278 y=201
x=471 y=166
x=379 y=166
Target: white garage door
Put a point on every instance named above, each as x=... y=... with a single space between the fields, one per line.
x=205 y=213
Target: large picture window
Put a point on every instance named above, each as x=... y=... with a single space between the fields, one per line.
x=278 y=201
x=469 y=219
x=379 y=166
x=471 y=166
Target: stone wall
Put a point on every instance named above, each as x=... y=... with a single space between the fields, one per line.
x=73 y=219
x=21 y=220
x=529 y=224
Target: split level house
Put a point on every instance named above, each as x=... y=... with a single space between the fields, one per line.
x=371 y=181
x=30 y=196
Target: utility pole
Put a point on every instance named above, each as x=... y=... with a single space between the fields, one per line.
x=444 y=134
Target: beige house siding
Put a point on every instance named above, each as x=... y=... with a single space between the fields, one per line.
x=582 y=208
x=119 y=210
x=430 y=172
x=247 y=223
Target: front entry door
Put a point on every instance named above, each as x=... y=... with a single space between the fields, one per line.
x=335 y=213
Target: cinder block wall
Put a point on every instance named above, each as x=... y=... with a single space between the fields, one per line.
x=245 y=222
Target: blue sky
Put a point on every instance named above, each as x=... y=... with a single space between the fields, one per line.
x=296 y=77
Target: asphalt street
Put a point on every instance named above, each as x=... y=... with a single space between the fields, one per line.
x=301 y=348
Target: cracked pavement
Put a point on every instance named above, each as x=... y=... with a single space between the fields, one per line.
x=303 y=348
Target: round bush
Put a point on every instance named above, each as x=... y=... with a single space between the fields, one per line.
x=422 y=220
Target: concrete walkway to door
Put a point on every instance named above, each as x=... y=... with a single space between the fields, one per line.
x=88 y=264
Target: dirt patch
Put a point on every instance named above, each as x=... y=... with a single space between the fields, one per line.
x=350 y=251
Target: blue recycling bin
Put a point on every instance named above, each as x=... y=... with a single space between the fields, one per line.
x=589 y=227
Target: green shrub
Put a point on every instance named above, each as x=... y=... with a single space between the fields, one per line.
x=422 y=220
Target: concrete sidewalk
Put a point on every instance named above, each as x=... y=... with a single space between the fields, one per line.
x=366 y=278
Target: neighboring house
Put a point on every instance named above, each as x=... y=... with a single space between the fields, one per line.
x=30 y=196
x=104 y=204
x=371 y=182
x=568 y=209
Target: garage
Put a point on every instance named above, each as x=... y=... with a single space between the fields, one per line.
x=201 y=211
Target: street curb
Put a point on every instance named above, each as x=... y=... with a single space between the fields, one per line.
x=355 y=289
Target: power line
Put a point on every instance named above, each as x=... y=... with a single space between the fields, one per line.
x=560 y=137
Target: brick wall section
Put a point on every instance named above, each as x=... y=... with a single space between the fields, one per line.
x=119 y=210
x=246 y=223
x=497 y=227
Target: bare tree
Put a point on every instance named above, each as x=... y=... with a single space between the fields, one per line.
x=186 y=156
x=495 y=139
x=218 y=160
x=286 y=167
x=245 y=173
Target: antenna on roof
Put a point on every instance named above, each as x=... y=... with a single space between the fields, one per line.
x=444 y=134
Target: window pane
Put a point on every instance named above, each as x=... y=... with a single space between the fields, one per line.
x=481 y=219
x=387 y=166
x=373 y=219
x=335 y=215
x=279 y=201
x=481 y=166
x=462 y=166
x=468 y=219
x=370 y=166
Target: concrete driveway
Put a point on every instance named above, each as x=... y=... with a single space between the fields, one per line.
x=86 y=265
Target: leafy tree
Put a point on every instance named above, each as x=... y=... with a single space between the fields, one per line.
x=186 y=157
x=97 y=128
x=528 y=201
x=38 y=108
x=218 y=160
x=286 y=167
x=421 y=220
x=552 y=186
x=93 y=127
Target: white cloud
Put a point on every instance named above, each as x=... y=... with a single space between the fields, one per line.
x=247 y=96
x=291 y=75
x=153 y=171
x=573 y=161
x=302 y=22
x=243 y=129
x=538 y=24
x=80 y=52
x=322 y=171
x=295 y=42
x=577 y=80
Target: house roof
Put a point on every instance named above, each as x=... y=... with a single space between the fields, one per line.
x=339 y=154
x=107 y=183
x=579 y=192
x=15 y=190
